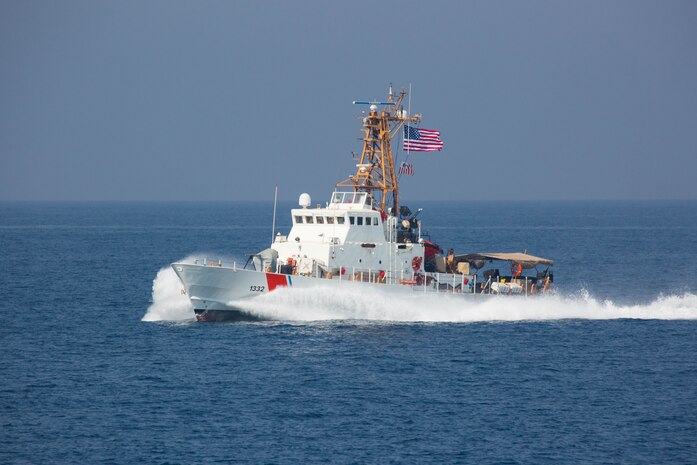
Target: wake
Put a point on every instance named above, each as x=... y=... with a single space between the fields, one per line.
x=362 y=303
x=376 y=304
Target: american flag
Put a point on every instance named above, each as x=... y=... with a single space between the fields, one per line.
x=421 y=140
x=406 y=168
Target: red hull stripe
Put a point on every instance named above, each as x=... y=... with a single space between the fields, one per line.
x=276 y=280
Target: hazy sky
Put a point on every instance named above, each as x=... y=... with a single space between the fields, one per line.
x=220 y=100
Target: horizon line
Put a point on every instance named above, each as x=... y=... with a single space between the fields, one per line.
x=57 y=201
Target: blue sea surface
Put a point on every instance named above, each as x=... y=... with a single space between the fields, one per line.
x=84 y=380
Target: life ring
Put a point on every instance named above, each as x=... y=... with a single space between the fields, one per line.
x=416 y=263
x=516 y=269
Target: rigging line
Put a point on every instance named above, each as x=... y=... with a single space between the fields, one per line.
x=406 y=159
x=401 y=147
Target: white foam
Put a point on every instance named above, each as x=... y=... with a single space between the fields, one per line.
x=288 y=304
x=168 y=302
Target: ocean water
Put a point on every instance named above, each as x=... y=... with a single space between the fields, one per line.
x=102 y=363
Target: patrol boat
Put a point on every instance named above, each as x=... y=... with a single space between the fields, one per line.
x=361 y=237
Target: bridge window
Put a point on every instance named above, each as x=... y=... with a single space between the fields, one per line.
x=360 y=221
x=320 y=220
x=352 y=219
x=340 y=220
x=368 y=221
x=309 y=220
x=298 y=219
x=349 y=197
x=330 y=220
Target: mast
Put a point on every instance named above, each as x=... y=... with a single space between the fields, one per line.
x=375 y=172
x=273 y=224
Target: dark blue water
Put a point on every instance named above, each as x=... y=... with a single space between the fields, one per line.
x=84 y=380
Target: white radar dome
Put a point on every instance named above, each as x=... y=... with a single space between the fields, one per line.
x=305 y=200
x=373 y=108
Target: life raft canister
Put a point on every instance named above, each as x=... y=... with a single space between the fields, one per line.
x=416 y=263
x=516 y=269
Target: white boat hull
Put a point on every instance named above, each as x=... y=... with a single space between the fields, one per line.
x=214 y=290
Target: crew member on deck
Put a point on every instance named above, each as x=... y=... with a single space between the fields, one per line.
x=450 y=261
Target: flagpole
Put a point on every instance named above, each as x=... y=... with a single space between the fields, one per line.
x=409 y=114
x=406 y=159
x=409 y=102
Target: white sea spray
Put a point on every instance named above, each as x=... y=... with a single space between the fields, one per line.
x=324 y=303
x=168 y=301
